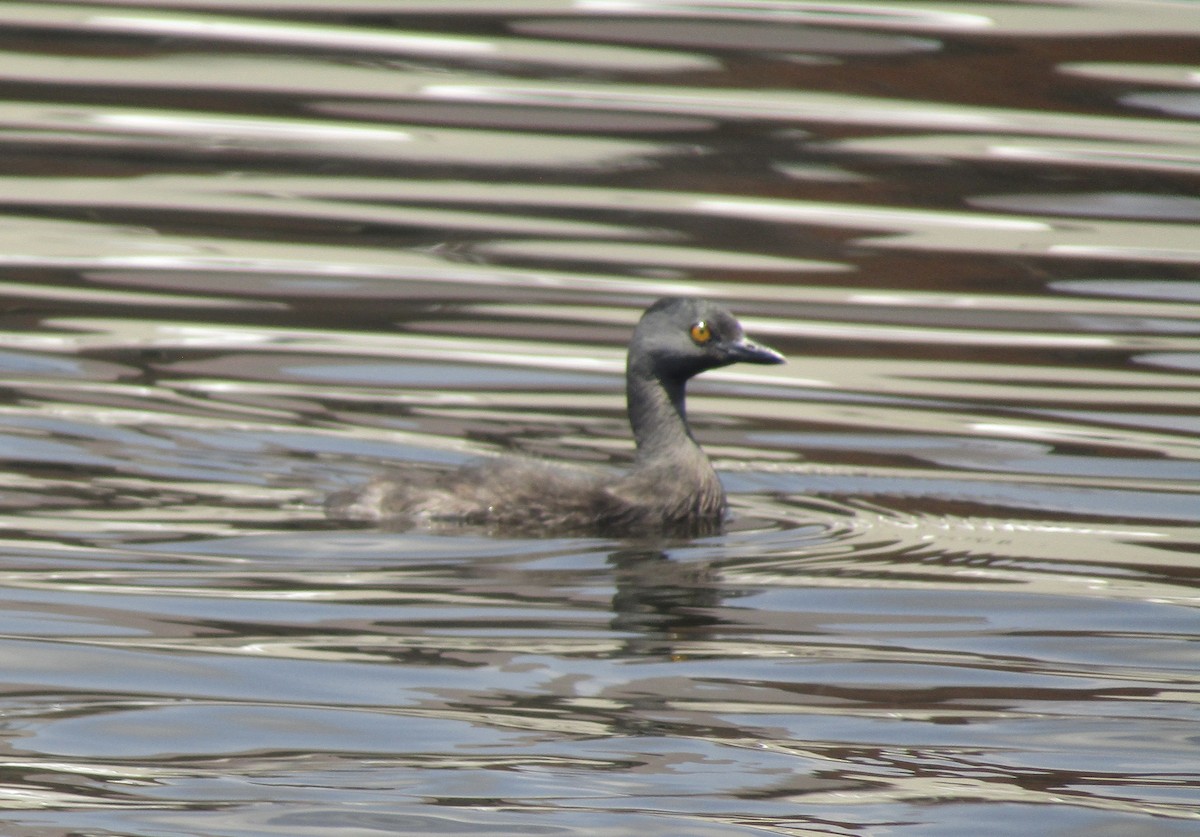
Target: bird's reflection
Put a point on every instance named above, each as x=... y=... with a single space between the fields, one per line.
x=659 y=599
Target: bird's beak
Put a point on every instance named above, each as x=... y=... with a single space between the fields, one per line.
x=747 y=351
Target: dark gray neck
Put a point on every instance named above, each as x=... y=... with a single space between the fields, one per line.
x=658 y=416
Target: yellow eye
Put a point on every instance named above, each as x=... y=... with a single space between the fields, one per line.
x=701 y=333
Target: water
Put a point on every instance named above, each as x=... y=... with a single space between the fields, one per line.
x=252 y=253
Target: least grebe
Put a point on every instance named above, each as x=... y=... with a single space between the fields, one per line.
x=670 y=489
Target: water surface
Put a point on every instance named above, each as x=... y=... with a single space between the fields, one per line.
x=252 y=253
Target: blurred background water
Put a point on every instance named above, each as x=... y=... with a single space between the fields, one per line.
x=254 y=252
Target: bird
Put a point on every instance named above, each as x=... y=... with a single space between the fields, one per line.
x=670 y=490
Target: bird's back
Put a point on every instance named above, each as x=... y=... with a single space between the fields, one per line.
x=527 y=496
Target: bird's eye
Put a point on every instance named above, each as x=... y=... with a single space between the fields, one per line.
x=701 y=333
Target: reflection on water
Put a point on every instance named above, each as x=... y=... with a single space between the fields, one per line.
x=253 y=253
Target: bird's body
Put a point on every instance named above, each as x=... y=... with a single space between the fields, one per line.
x=671 y=488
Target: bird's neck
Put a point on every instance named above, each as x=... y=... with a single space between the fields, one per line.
x=658 y=416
